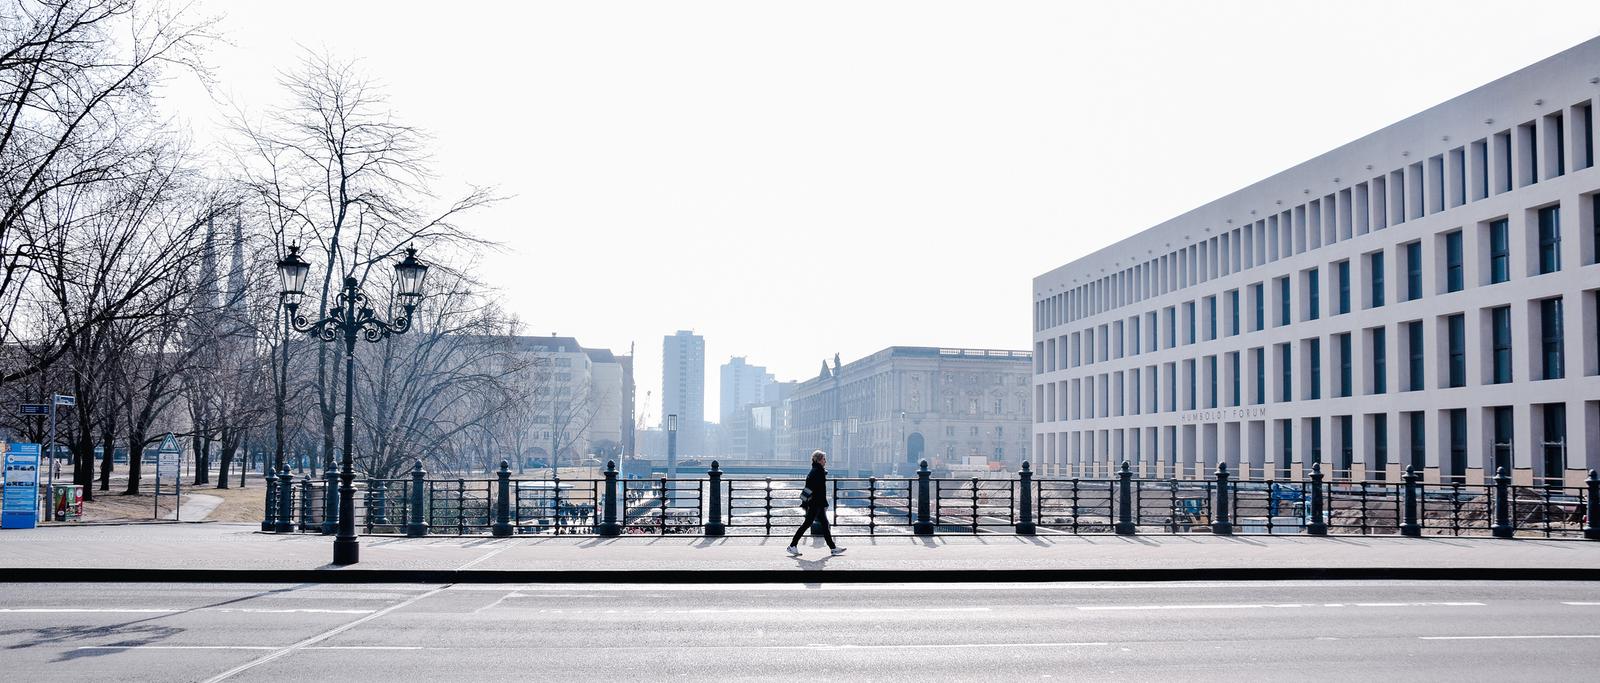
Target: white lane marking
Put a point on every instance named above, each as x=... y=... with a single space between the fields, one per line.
x=163 y=610
x=1545 y=637
x=175 y=647
x=911 y=646
x=1286 y=605
x=769 y=610
x=323 y=636
x=245 y=647
x=918 y=587
x=1582 y=604
x=484 y=556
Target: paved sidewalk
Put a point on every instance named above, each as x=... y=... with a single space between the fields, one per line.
x=223 y=548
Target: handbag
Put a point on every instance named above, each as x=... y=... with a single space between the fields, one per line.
x=805 y=498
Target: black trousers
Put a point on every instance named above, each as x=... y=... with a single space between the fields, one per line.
x=819 y=515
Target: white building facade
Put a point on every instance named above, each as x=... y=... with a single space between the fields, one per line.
x=1426 y=295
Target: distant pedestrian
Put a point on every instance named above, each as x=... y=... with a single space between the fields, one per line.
x=814 y=500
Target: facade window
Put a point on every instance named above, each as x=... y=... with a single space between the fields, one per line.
x=1503 y=441
x=1233 y=312
x=1419 y=440
x=1211 y=318
x=1414 y=355
x=1413 y=271
x=1260 y=290
x=1380 y=360
x=1456 y=338
x=1595 y=212
x=1133 y=328
x=1211 y=388
x=1453 y=277
x=1550 y=344
x=1287 y=458
x=1314 y=294
x=1288 y=374
x=1375 y=262
x=1234 y=359
x=1347 y=446
x=1500 y=348
x=1316 y=368
x=1549 y=239
x=1188 y=313
x=1499 y=251
x=1342 y=271
x=1189 y=368
x=1261 y=375
x=1283 y=296
x=1172 y=327
x=1316 y=439
x=999 y=406
x=1555 y=441
x=1380 y=446
x=1458 y=446
x=1345 y=375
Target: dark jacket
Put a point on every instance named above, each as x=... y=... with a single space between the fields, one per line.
x=817 y=481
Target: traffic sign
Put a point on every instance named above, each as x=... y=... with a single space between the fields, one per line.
x=62 y=400
x=33 y=409
x=169 y=444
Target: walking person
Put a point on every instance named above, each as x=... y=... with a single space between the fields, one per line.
x=814 y=500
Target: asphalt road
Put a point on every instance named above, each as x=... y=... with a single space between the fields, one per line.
x=1179 y=631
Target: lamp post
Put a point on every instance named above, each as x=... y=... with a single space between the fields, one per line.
x=350 y=319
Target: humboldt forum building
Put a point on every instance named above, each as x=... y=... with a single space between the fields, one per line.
x=1424 y=296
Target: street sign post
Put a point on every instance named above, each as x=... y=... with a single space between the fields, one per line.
x=19 y=509
x=50 y=449
x=168 y=465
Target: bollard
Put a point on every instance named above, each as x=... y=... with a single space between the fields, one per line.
x=1125 y=525
x=1025 y=525
x=285 y=520
x=502 y=503
x=418 y=525
x=923 y=526
x=1221 y=517
x=1410 y=527
x=714 y=525
x=1502 y=505
x=609 y=527
x=267 y=521
x=1590 y=530
x=1317 y=526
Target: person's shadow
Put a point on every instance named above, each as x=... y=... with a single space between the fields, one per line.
x=812 y=565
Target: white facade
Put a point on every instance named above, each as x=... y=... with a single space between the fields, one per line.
x=1464 y=241
x=683 y=388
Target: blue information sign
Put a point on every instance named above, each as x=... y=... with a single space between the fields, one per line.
x=19 y=505
x=34 y=409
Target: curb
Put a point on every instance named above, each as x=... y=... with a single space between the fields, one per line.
x=737 y=576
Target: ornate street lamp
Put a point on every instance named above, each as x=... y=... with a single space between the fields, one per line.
x=349 y=320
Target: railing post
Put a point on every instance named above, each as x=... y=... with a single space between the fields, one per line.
x=267 y=521
x=285 y=520
x=1222 y=517
x=1125 y=526
x=502 y=503
x=1025 y=525
x=923 y=526
x=1410 y=527
x=1502 y=505
x=1317 y=526
x=305 y=503
x=714 y=525
x=609 y=527
x=417 y=526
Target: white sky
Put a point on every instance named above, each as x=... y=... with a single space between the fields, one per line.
x=794 y=179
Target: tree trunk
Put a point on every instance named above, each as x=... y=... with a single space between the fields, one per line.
x=135 y=461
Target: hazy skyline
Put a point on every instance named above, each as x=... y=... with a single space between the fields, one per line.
x=791 y=181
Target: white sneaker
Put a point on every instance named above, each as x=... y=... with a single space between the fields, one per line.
x=792 y=551
x=836 y=551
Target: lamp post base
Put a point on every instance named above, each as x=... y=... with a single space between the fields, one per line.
x=346 y=551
